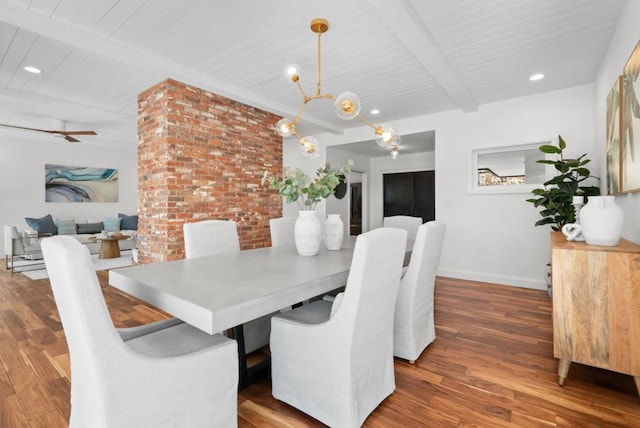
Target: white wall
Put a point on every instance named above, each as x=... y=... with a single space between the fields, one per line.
x=337 y=157
x=22 y=180
x=624 y=40
x=490 y=237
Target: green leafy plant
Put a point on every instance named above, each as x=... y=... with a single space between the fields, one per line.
x=556 y=198
x=296 y=186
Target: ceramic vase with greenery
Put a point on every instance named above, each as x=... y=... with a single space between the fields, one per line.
x=296 y=186
x=556 y=198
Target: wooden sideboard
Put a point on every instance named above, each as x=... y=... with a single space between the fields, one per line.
x=596 y=306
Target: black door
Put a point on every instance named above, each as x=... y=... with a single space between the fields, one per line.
x=356 y=209
x=410 y=193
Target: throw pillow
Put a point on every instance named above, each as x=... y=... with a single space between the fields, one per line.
x=66 y=227
x=111 y=224
x=86 y=228
x=128 y=222
x=42 y=225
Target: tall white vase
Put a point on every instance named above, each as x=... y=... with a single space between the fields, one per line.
x=333 y=232
x=307 y=233
x=601 y=220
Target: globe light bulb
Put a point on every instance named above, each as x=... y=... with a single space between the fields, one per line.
x=347 y=105
x=387 y=136
x=292 y=72
x=285 y=128
x=309 y=146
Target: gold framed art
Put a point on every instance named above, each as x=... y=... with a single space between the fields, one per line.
x=630 y=124
x=614 y=165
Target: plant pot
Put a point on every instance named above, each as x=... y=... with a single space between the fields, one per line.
x=308 y=233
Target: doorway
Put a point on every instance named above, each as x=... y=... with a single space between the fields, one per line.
x=355 y=213
x=410 y=193
x=357 y=203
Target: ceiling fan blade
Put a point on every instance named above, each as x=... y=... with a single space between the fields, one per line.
x=65 y=134
x=77 y=132
x=22 y=127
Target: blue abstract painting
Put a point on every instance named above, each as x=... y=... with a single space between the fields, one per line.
x=80 y=184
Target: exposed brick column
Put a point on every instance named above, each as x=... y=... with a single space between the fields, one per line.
x=201 y=156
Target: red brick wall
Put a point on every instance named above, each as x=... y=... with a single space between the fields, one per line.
x=201 y=156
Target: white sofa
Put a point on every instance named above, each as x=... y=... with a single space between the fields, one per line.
x=25 y=244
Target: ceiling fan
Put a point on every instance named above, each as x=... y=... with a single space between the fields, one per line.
x=60 y=133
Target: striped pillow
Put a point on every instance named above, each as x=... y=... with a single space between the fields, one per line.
x=66 y=227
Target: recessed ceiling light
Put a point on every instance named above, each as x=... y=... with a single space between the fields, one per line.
x=32 y=69
x=537 y=76
x=375 y=111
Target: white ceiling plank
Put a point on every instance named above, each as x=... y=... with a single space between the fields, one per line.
x=66 y=105
x=93 y=42
x=378 y=49
x=68 y=11
x=45 y=7
x=118 y=16
x=13 y=60
x=93 y=12
x=408 y=27
x=7 y=33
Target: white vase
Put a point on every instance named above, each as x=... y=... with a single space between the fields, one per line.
x=601 y=220
x=307 y=233
x=333 y=232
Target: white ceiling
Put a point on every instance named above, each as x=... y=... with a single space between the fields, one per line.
x=404 y=57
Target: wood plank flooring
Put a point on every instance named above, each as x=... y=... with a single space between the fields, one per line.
x=491 y=365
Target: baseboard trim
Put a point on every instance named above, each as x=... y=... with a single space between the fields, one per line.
x=514 y=281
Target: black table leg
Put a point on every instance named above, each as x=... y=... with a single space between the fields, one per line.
x=248 y=375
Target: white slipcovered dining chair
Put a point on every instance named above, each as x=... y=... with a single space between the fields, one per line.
x=176 y=376
x=408 y=223
x=210 y=237
x=281 y=229
x=334 y=361
x=414 y=327
x=213 y=237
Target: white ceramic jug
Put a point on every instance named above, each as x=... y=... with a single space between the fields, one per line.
x=334 y=232
x=601 y=221
x=307 y=233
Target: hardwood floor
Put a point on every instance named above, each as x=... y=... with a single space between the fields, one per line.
x=491 y=365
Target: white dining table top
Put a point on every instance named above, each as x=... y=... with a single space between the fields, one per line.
x=215 y=293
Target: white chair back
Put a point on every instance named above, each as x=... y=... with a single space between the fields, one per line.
x=408 y=223
x=210 y=237
x=339 y=370
x=281 y=229
x=115 y=384
x=414 y=324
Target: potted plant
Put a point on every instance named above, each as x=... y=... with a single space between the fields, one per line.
x=556 y=198
x=296 y=186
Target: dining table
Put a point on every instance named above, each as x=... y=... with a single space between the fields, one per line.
x=221 y=292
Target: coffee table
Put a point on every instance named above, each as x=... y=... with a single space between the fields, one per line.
x=109 y=247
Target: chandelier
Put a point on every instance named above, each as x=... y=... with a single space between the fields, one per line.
x=346 y=105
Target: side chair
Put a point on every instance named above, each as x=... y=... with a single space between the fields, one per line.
x=175 y=376
x=414 y=327
x=408 y=223
x=334 y=361
x=212 y=237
